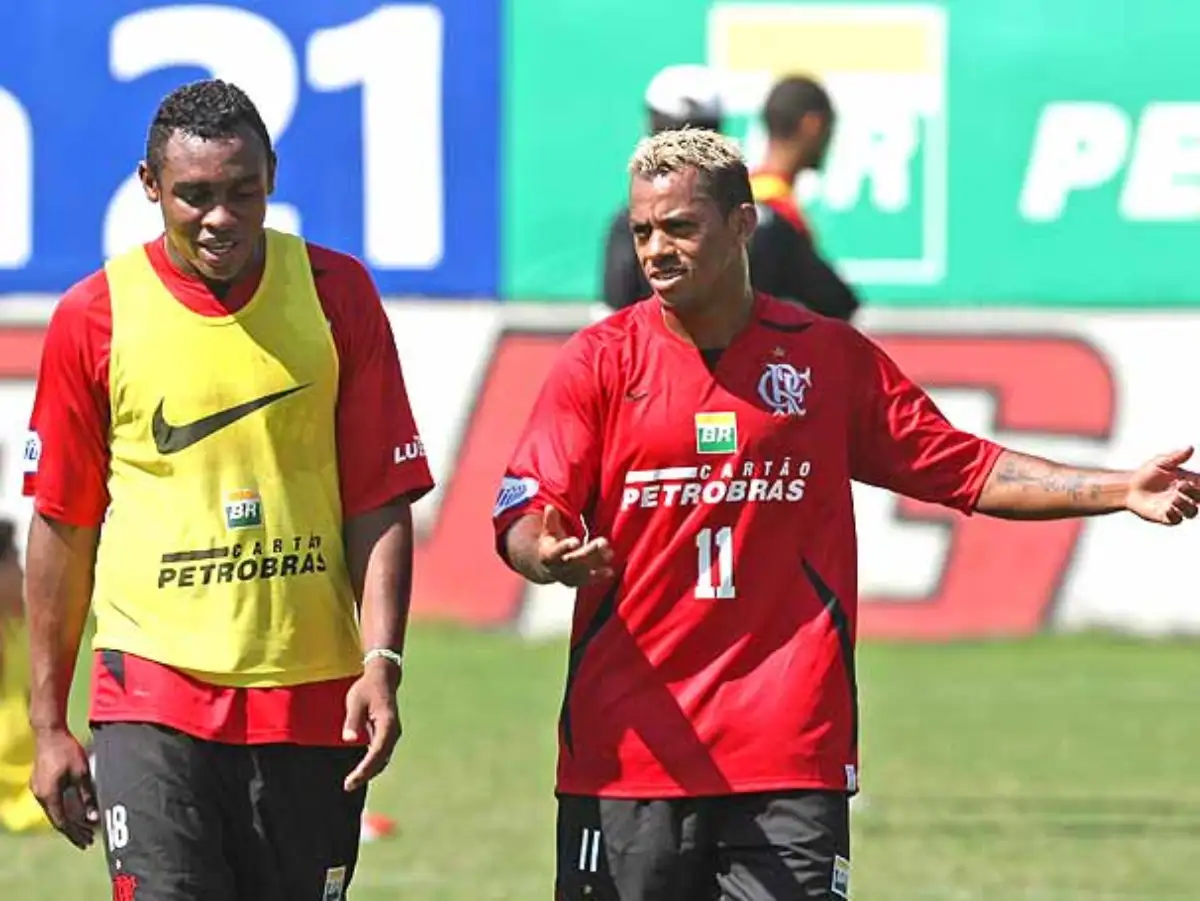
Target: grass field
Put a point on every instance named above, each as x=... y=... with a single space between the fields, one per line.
x=1046 y=770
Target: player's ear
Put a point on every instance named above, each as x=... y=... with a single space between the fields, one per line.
x=744 y=220
x=272 y=163
x=149 y=182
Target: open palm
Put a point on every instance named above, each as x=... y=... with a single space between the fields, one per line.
x=569 y=560
x=1161 y=492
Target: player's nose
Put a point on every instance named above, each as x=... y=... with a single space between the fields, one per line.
x=219 y=218
x=657 y=245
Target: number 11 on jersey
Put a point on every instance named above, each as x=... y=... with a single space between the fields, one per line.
x=722 y=539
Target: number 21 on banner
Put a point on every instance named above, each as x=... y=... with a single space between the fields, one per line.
x=722 y=541
x=394 y=54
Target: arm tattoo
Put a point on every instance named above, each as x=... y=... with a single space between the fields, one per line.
x=1073 y=483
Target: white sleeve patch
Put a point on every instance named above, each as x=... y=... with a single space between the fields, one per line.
x=32 y=454
x=514 y=492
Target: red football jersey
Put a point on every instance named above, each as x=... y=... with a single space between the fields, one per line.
x=721 y=657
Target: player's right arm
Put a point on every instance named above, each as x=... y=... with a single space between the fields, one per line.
x=553 y=476
x=66 y=470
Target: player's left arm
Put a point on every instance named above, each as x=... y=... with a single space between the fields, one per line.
x=901 y=441
x=383 y=471
x=1021 y=486
x=382 y=466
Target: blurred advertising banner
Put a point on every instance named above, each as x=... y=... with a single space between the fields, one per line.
x=882 y=197
x=385 y=116
x=987 y=154
x=1014 y=154
x=1087 y=388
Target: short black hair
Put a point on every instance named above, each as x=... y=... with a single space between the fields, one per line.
x=790 y=100
x=728 y=187
x=208 y=109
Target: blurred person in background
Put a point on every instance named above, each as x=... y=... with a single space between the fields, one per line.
x=676 y=96
x=227 y=401
x=687 y=467
x=19 y=809
x=784 y=261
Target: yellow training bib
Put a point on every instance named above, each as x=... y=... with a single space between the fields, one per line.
x=222 y=551
x=767 y=186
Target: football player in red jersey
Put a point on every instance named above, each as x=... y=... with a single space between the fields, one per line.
x=688 y=467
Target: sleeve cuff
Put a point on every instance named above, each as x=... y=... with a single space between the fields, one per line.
x=413 y=487
x=990 y=454
x=84 y=519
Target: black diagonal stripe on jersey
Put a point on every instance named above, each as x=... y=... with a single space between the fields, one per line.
x=841 y=623
x=789 y=327
x=114 y=662
x=604 y=612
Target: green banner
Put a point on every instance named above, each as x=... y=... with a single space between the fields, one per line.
x=1018 y=153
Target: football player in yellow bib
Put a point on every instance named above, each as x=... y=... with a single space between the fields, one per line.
x=227 y=400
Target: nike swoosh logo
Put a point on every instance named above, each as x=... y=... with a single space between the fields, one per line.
x=171 y=439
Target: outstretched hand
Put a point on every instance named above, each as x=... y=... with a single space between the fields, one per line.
x=1160 y=491
x=568 y=560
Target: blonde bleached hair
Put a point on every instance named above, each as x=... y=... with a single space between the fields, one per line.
x=717 y=159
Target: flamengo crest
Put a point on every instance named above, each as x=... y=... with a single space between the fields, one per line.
x=782 y=387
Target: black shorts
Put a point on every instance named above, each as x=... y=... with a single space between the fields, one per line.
x=192 y=820
x=752 y=847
